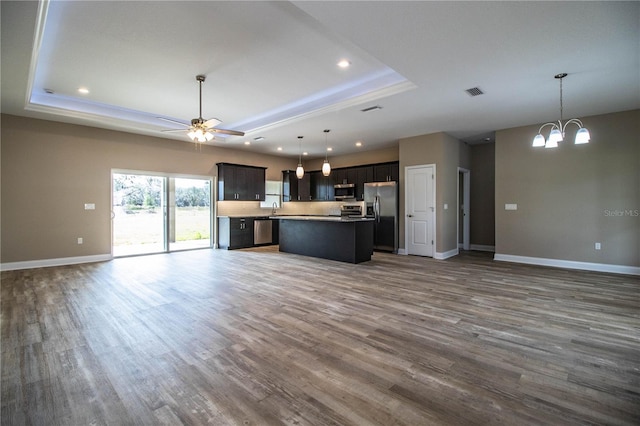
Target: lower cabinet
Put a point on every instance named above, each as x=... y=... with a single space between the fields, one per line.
x=238 y=232
x=235 y=232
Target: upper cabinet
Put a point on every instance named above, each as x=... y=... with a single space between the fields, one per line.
x=321 y=186
x=386 y=172
x=316 y=187
x=240 y=183
x=294 y=189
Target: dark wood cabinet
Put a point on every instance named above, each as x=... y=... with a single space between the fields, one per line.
x=364 y=175
x=235 y=232
x=240 y=183
x=321 y=186
x=294 y=189
x=386 y=172
x=316 y=187
x=338 y=176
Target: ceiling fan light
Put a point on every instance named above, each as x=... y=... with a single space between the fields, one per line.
x=192 y=135
x=582 y=136
x=538 y=140
x=208 y=136
x=326 y=168
x=300 y=171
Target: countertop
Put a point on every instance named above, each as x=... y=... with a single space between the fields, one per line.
x=323 y=218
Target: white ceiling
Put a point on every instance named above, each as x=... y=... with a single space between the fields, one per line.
x=271 y=67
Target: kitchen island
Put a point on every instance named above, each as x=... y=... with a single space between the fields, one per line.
x=327 y=237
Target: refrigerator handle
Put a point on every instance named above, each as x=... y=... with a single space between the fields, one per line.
x=376 y=208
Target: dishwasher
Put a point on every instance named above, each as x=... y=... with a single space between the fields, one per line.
x=262 y=231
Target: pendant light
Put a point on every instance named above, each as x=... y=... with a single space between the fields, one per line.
x=300 y=169
x=326 y=167
x=558 y=129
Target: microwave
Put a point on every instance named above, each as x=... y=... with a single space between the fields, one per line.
x=344 y=191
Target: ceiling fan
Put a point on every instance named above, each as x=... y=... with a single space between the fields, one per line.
x=201 y=130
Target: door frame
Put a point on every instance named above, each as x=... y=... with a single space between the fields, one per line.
x=466 y=201
x=406 y=207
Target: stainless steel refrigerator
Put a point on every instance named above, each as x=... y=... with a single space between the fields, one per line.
x=381 y=199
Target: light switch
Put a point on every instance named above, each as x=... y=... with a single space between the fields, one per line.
x=511 y=207
x=89 y=206
x=446 y=206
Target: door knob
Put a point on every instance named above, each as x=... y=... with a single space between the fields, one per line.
x=409 y=215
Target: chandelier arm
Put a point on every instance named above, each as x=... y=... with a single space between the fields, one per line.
x=550 y=124
x=573 y=121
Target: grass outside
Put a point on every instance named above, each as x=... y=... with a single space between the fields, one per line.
x=146 y=226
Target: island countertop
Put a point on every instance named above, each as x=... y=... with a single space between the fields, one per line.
x=324 y=218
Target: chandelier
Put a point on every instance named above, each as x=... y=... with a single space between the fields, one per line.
x=558 y=128
x=326 y=167
x=300 y=169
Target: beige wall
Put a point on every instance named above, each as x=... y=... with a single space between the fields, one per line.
x=447 y=153
x=573 y=196
x=482 y=205
x=50 y=170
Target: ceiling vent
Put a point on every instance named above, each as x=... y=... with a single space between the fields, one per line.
x=474 y=91
x=371 y=108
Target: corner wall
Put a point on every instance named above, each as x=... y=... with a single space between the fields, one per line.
x=447 y=153
x=571 y=197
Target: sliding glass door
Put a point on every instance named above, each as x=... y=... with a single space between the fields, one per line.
x=190 y=213
x=153 y=214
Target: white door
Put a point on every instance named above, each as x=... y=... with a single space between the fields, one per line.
x=420 y=210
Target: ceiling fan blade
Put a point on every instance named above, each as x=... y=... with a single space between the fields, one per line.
x=173 y=130
x=227 y=132
x=173 y=121
x=212 y=122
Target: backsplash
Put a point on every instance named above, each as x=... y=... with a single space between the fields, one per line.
x=252 y=208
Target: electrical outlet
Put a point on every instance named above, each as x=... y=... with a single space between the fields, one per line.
x=89 y=206
x=80 y=240
x=511 y=207
x=598 y=246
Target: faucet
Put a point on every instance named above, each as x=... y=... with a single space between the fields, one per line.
x=274 y=208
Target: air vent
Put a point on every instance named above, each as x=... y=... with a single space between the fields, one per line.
x=474 y=91
x=371 y=108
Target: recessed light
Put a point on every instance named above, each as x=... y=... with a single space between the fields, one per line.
x=247 y=143
x=83 y=90
x=358 y=143
x=279 y=148
x=344 y=63
x=329 y=149
x=305 y=153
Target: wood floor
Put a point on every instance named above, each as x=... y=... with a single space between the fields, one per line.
x=258 y=337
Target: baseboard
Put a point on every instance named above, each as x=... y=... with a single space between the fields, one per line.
x=446 y=254
x=480 y=247
x=569 y=264
x=30 y=264
x=439 y=256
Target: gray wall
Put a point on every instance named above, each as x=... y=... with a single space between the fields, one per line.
x=573 y=196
